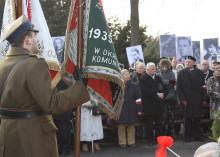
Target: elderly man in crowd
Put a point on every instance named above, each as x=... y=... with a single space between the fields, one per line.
x=153 y=93
x=135 y=77
x=140 y=70
x=206 y=70
x=191 y=94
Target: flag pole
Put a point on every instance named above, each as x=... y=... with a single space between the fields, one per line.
x=19 y=8
x=79 y=64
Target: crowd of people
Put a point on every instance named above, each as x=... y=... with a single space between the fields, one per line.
x=187 y=84
x=148 y=91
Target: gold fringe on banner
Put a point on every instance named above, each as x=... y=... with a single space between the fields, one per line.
x=113 y=113
x=104 y=77
x=53 y=65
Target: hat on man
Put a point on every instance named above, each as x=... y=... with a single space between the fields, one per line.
x=190 y=57
x=17 y=28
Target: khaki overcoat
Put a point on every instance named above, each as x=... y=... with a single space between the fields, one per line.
x=29 y=88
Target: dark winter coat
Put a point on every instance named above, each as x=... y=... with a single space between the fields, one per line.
x=130 y=108
x=135 y=78
x=64 y=116
x=189 y=88
x=210 y=74
x=149 y=87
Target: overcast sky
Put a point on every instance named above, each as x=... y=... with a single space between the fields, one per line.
x=195 y=18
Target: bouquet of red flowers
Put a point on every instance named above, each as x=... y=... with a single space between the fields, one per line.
x=172 y=82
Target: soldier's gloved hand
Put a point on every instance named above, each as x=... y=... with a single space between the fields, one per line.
x=68 y=78
x=62 y=85
x=184 y=103
x=77 y=74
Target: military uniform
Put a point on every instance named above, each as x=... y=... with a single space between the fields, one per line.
x=29 y=89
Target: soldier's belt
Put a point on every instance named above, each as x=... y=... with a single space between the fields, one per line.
x=24 y=114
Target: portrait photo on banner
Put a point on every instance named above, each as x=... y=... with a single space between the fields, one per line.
x=58 y=43
x=184 y=48
x=210 y=49
x=134 y=54
x=167 y=46
x=196 y=51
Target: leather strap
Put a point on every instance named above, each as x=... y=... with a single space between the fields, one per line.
x=13 y=69
x=24 y=114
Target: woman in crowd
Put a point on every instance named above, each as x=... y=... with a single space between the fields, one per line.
x=213 y=88
x=153 y=93
x=91 y=126
x=131 y=109
x=173 y=66
x=179 y=67
x=166 y=74
x=169 y=80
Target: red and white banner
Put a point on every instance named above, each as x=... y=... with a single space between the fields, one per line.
x=99 y=60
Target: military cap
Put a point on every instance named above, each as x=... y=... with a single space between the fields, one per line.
x=190 y=57
x=17 y=28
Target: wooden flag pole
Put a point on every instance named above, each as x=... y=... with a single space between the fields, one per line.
x=79 y=64
x=19 y=8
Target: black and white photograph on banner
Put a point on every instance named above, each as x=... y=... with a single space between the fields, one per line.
x=167 y=46
x=196 y=51
x=210 y=49
x=218 y=58
x=134 y=54
x=184 y=48
x=58 y=43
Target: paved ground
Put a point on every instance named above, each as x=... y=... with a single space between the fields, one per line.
x=110 y=149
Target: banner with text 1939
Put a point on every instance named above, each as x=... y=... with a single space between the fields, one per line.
x=100 y=62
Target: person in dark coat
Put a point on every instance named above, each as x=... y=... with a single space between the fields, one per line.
x=167 y=76
x=153 y=93
x=135 y=77
x=207 y=74
x=206 y=70
x=169 y=80
x=131 y=109
x=64 y=126
x=192 y=95
x=140 y=70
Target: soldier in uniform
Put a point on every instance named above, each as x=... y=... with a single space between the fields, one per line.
x=27 y=98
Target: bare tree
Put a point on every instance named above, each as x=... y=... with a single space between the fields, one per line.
x=134 y=22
